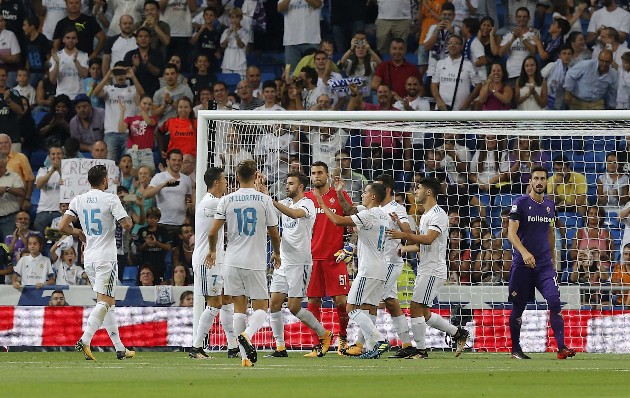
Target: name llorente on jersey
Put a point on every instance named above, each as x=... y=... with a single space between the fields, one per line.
x=245 y=198
x=539 y=219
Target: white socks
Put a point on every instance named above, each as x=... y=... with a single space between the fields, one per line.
x=419 y=330
x=110 y=323
x=94 y=322
x=367 y=326
x=205 y=323
x=256 y=321
x=436 y=321
x=277 y=327
x=309 y=320
x=227 y=321
x=402 y=328
x=240 y=323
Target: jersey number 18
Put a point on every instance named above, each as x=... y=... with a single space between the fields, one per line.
x=246 y=220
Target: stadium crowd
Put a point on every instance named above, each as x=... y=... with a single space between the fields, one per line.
x=123 y=80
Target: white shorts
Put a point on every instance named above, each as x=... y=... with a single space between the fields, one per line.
x=425 y=289
x=391 y=283
x=245 y=282
x=294 y=281
x=141 y=157
x=365 y=291
x=103 y=276
x=208 y=281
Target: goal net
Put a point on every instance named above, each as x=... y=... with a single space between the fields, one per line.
x=482 y=160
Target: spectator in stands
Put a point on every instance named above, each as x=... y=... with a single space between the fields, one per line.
x=428 y=15
x=33 y=269
x=10 y=51
x=530 y=93
x=473 y=47
x=51 y=12
x=16 y=242
x=177 y=61
x=360 y=61
x=591 y=84
x=393 y=22
x=182 y=253
x=23 y=88
x=181 y=275
x=449 y=92
x=160 y=31
x=566 y=187
x=114 y=90
x=328 y=48
x=252 y=75
x=550 y=49
x=207 y=38
x=394 y=73
x=301 y=27
x=234 y=40
x=483 y=264
x=145 y=276
x=621 y=277
x=235 y=152
x=173 y=193
x=63 y=257
x=12 y=191
x=145 y=62
x=291 y=97
x=353 y=182
x=125 y=178
x=487 y=35
x=572 y=13
x=182 y=130
x=202 y=78
x=347 y=18
x=608 y=16
x=248 y=101
x=57 y=299
x=18 y=163
x=10 y=111
x=526 y=154
x=456 y=158
x=458 y=258
x=490 y=166
x=99 y=150
x=186 y=299
x=88 y=124
x=69 y=65
x=54 y=127
x=132 y=8
x=274 y=150
x=623 y=89
x=45 y=93
x=120 y=44
x=437 y=36
x=413 y=101
x=518 y=44
x=178 y=15
x=309 y=79
x=153 y=242
x=83 y=40
x=578 y=44
x=477 y=229
x=270 y=97
x=554 y=73
x=165 y=99
x=609 y=39
x=139 y=186
x=95 y=76
x=495 y=94
x=141 y=127
x=325 y=75
x=612 y=186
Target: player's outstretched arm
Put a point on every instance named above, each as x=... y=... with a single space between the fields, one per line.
x=412 y=238
x=335 y=218
x=528 y=258
x=274 y=236
x=287 y=211
x=348 y=208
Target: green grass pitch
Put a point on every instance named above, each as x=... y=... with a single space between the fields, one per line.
x=174 y=375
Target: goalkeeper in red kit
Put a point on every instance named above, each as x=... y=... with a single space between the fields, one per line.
x=330 y=257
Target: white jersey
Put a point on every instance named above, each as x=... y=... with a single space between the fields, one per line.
x=204 y=217
x=113 y=95
x=371 y=225
x=98 y=212
x=295 y=247
x=391 y=245
x=432 y=258
x=34 y=270
x=247 y=213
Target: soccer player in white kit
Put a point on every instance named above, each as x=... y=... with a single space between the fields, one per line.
x=366 y=291
x=292 y=278
x=209 y=281
x=98 y=212
x=432 y=269
x=250 y=216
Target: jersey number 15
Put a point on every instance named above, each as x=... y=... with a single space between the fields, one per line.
x=91 y=222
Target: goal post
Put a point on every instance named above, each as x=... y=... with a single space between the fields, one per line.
x=583 y=138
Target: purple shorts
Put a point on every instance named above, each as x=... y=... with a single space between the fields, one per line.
x=524 y=280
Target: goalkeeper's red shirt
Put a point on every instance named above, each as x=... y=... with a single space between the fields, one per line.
x=327 y=237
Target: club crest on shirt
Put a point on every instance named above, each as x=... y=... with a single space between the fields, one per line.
x=513 y=208
x=548 y=210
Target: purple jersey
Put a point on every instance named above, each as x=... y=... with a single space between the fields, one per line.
x=534 y=219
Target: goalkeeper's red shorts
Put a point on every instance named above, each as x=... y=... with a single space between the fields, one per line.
x=328 y=278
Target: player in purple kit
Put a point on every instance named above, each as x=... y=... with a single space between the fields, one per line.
x=531 y=233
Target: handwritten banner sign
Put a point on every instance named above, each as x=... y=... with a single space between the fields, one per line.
x=74 y=173
x=342 y=86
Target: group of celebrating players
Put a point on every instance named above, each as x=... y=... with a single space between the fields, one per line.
x=310 y=260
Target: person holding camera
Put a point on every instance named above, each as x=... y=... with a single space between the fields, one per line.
x=173 y=193
x=438 y=35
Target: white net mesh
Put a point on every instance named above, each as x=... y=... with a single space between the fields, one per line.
x=483 y=161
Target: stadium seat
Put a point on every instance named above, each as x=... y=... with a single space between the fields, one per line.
x=570 y=219
x=130 y=273
x=230 y=79
x=264 y=76
x=37 y=160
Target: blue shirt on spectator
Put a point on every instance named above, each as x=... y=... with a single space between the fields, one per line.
x=585 y=82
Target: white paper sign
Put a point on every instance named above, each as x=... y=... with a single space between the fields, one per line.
x=74 y=173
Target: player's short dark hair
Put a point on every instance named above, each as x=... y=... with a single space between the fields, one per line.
x=539 y=168
x=378 y=190
x=387 y=180
x=211 y=175
x=97 y=174
x=321 y=164
x=246 y=170
x=269 y=84
x=171 y=65
x=302 y=178
x=175 y=151
x=432 y=184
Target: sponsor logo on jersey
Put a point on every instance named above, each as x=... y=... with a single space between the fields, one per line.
x=539 y=219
